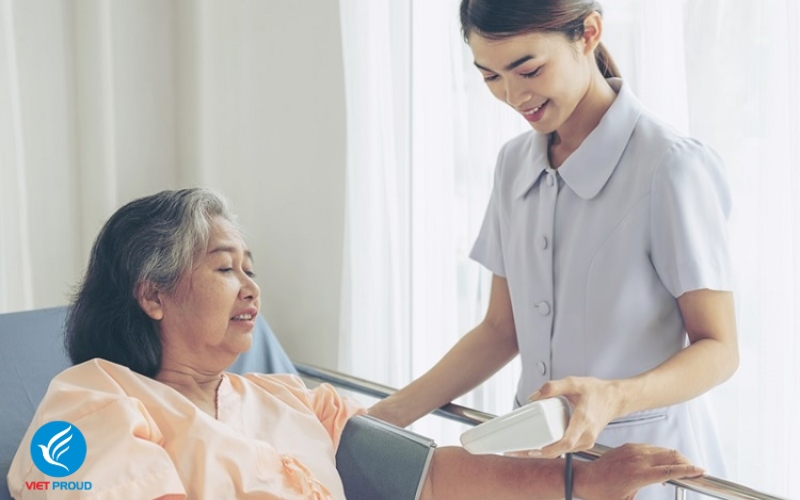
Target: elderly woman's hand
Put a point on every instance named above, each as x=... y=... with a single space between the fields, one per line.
x=594 y=403
x=621 y=472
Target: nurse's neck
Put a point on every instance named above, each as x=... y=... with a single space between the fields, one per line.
x=587 y=115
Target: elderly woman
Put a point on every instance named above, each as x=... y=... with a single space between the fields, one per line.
x=167 y=304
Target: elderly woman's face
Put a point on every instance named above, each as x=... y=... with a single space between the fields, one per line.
x=211 y=315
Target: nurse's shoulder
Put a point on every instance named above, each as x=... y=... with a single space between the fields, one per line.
x=658 y=145
x=679 y=162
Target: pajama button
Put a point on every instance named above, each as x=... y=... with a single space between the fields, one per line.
x=542 y=367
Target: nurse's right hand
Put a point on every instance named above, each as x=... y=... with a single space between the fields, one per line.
x=594 y=402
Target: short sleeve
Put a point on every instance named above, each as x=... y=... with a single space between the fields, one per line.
x=123 y=460
x=331 y=409
x=488 y=247
x=690 y=207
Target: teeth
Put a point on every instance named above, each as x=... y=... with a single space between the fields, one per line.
x=534 y=110
x=244 y=317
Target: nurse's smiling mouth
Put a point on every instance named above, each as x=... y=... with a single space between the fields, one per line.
x=535 y=113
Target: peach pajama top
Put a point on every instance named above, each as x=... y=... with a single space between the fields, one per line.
x=273 y=438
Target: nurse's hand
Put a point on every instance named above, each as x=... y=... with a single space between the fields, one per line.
x=594 y=402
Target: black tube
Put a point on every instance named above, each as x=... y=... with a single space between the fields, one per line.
x=568 y=477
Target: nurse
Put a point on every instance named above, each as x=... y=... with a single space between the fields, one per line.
x=606 y=237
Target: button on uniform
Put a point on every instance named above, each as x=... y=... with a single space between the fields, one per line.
x=543 y=242
x=585 y=205
x=543 y=308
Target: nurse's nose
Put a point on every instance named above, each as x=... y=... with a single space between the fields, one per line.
x=516 y=93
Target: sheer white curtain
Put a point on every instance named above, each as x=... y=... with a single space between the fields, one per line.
x=457 y=130
x=374 y=338
x=743 y=76
x=724 y=71
x=15 y=265
x=728 y=73
x=71 y=125
x=423 y=135
x=103 y=101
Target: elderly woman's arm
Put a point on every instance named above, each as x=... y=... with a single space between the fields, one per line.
x=619 y=474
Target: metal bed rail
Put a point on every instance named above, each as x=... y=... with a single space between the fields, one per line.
x=706 y=485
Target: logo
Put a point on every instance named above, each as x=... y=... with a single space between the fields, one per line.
x=58 y=449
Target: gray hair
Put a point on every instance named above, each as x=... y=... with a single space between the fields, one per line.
x=150 y=240
x=176 y=239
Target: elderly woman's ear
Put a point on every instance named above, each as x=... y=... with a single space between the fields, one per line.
x=149 y=297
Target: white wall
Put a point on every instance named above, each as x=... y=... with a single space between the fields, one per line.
x=277 y=148
x=121 y=99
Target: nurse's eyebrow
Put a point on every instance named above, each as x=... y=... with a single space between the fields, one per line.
x=510 y=66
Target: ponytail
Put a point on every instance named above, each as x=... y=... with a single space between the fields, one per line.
x=605 y=62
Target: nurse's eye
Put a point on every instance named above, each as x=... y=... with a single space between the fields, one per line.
x=490 y=78
x=532 y=74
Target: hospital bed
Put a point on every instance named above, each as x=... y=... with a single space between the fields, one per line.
x=376 y=461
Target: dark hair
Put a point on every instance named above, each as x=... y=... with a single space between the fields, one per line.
x=150 y=240
x=499 y=19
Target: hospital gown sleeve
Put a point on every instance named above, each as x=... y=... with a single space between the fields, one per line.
x=331 y=408
x=690 y=207
x=124 y=457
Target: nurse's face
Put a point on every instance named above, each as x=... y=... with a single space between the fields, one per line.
x=543 y=76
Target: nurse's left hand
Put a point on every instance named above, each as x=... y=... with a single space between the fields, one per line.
x=594 y=402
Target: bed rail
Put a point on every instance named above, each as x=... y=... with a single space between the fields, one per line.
x=706 y=485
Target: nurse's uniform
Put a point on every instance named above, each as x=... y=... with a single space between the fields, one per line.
x=595 y=254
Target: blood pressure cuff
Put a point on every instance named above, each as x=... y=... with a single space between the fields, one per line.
x=378 y=461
